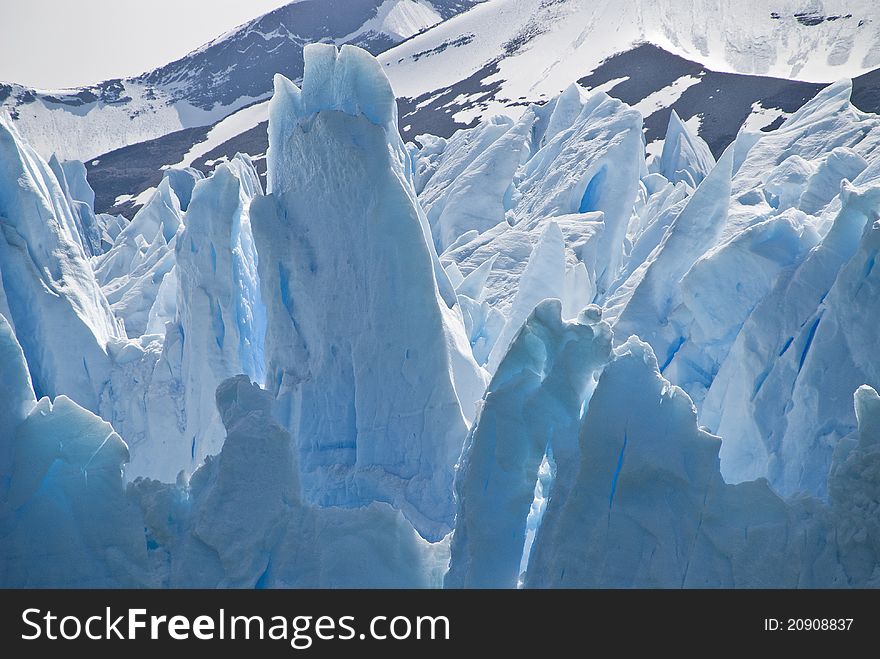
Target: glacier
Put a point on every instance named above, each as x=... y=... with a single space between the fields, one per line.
x=532 y=409
x=50 y=294
x=358 y=441
x=527 y=355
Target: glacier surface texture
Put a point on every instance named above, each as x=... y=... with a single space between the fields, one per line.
x=526 y=355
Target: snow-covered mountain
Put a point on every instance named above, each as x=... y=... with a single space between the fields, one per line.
x=540 y=45
x=213 y=81
x=493 y=59
x=535 y=48
x=762 y=61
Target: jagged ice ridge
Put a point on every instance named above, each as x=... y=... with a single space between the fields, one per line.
x=525 y=355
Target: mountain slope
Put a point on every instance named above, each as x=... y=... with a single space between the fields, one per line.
x=213 y=81
x=505 y=54
x=762 y=59
x=537 y=43
x=646 y=76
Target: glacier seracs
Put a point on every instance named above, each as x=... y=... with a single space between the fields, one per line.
x=531 y=409
x=238 y=522
x=220 y=315
x=49 y=293
x=71 y=176
x=205 y=324
x=344 y=263
x=131 y=272
x=649 y=507
x=523 y=355
x=65 y=516
x=183 y=181
x=685 y=156
x=767 y=354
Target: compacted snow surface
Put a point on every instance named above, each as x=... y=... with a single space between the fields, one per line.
x=522 y=356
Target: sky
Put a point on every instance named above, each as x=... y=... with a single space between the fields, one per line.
x=65 y=43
